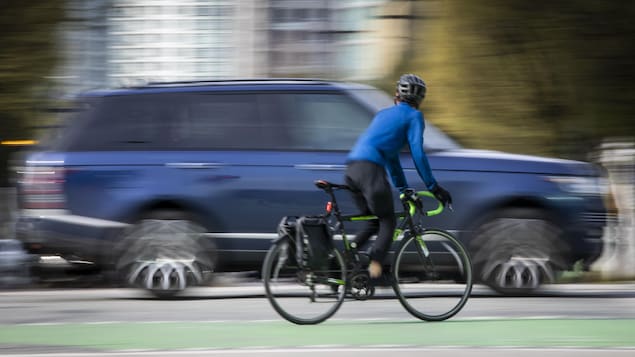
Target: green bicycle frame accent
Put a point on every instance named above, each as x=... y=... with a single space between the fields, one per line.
x=336 y=281
x=398 y=231
x=362 y=218
x=424 y=247
x=412 y=208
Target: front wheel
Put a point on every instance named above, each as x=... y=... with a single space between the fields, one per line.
x=517 y=250
x=432 y=275
x=302 y=295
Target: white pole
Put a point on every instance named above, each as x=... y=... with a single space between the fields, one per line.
x=618 y=258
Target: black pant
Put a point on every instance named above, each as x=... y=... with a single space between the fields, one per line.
x=373 y=196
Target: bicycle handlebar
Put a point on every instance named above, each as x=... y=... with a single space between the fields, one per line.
x=413 y=206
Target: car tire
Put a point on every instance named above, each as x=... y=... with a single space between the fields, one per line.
x=514 y=251
x=164 y=253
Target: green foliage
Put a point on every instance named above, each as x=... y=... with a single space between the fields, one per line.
x=28 y=55
x=539 y=77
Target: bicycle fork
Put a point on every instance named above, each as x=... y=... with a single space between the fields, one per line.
x=423 y=252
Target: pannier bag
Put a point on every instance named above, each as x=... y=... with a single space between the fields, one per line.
x=314 y=242
x=312 y=237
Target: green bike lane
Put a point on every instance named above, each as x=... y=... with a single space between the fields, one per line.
x=461 y=333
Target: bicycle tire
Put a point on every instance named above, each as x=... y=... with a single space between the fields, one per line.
x=436 y=286
x=300 y=295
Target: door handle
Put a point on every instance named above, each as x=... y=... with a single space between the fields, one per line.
x=195 y=165
x=320 y=167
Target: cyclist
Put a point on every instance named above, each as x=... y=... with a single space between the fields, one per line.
x=376 y=151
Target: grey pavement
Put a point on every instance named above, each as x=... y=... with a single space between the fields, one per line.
x=255 y=289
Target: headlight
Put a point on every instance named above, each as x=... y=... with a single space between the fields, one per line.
x=581 y=185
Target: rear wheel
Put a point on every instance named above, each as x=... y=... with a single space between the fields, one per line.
x=432 y=275
x=300 y=295
x=164 y=253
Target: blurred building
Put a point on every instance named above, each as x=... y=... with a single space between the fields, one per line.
x=338 y=39
x=118 y=42
x=83 y=44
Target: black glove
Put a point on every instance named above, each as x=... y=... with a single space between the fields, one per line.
x=442 y=195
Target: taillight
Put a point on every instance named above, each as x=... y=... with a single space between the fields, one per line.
x=42 y=188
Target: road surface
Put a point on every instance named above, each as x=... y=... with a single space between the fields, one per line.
x=563 y=320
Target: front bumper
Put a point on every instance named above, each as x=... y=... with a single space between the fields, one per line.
x=586 y=237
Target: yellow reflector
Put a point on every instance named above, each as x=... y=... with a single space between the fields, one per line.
x=18 y=142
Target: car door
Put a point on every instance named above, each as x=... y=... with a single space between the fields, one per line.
x=321 y=127
x=262 y=159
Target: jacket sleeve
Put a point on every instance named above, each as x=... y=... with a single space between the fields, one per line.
x=396 y=173
x=415 y=140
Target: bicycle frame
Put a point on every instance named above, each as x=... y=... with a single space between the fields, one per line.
x=411 y=208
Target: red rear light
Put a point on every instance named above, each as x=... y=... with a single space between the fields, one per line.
x=42 y=188
x=329 y=207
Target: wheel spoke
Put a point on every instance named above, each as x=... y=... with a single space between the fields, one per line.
x=433 y=286
x=301 y=295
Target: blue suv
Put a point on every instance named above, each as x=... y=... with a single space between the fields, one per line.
x=169 y=182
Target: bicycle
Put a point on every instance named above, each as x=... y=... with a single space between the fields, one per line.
x=431 y=272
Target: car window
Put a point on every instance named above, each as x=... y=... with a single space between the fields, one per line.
x=435 y=139
x=169 y=121
x=373 y=98
x=224 y=121
x=118 y=122
x=245 y=120
x=324 y=121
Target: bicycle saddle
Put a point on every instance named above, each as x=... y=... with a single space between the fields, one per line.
x=325 y=185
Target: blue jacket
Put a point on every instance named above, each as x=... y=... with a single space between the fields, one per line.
x=387 y=134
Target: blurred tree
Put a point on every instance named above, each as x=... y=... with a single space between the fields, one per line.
x=27 y=56
x=539 y=77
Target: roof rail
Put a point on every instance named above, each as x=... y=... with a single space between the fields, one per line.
x=233 y=81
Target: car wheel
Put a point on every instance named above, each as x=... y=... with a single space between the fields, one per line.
x=164 y=253
x=517 y=250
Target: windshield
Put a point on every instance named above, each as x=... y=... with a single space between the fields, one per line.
x=433 y=137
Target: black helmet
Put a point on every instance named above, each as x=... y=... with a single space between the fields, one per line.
x=411 y=89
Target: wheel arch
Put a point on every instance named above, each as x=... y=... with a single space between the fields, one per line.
x=486 y=211
x=191 y=210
